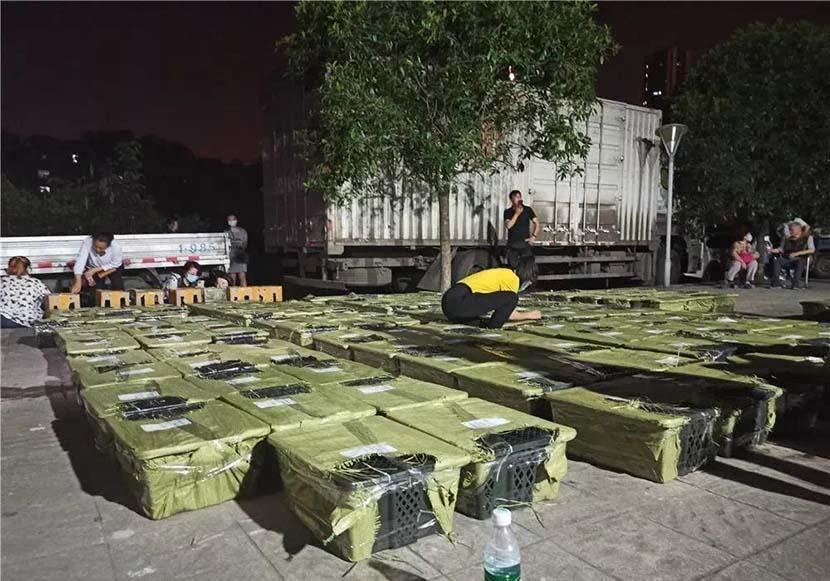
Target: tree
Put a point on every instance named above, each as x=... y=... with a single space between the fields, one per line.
x=425 y=91
x=758 y=148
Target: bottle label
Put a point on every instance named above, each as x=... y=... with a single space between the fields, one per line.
x=513 y=573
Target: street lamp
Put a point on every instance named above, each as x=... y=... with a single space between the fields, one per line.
x=670 y=135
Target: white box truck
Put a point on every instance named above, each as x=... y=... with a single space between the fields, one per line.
x=600 y=225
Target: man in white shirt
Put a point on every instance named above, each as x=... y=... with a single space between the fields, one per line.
x=99 y=261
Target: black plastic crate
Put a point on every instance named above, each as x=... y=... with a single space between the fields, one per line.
x=424 y=351
x=518 y=456
x=276 y=391
x=404 y=508
x=225 y=369
x=716 y=351
x=375 y=326
x=309 y=361
x=242 y=338
x=697 y=441
x=377 y=380
x=158 y=408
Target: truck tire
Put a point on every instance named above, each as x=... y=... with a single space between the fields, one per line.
x=821 y=266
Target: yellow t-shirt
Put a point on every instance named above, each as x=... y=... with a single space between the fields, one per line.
x=492 y=280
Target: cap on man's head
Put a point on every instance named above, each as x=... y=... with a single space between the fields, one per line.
x=800 y=222
x=748 y=237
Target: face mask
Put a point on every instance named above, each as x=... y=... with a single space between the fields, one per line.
x=192 y=278
x=231 y=223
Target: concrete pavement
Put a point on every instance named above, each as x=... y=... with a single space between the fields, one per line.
x=66 y=515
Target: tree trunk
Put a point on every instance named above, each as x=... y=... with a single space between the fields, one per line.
x=444 y=236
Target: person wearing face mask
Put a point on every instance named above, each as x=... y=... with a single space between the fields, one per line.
x=21 y=296
x=238 y=271
x=189 y=278
x=99 y=263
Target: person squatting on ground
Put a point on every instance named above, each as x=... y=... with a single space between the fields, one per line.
x=99 y=263
x=21 y=295
x=522 y=229
x=742 y=257
x=494 y=289
x=796 y=247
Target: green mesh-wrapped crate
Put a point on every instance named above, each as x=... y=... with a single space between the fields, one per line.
x=378 y=354
x=217 y=358
x=387 y=393
x=302 y=330
x=239 y=336
x=105 y=373
x=298 y=405
x=46 y=330
x=337 y=343
x=220 y=380
x=102 y=316
x=112 y=401
x=370 y=484
x=511 y=385
x=640 y=438
x=146 y=327
x=319 y=368
x=516 y=458
x=178 y=455
x=172 y=338
x=86 y=342
x=118 y=359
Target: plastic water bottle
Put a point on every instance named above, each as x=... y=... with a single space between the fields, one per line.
x=502 y=561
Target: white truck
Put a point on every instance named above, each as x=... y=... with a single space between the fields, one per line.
x=600 y=225
x=53 y=257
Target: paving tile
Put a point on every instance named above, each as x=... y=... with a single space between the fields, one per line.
x=744 y=571
x=227 y=554
x=51 y=525
x=467 y=545
x=572 y=506
x=769 y=490
x=804 y=556
x=622 y=488
x=90 y=563
x=632 y=547
x=544 y=561
x=725 y=524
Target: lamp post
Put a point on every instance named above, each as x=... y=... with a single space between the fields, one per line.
x=670 y=135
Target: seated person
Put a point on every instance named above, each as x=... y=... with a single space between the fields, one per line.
x=98 y=264
x=190 y=277
x=796 y=246
x=494 y=289
x=742 y=257
x=21 y=295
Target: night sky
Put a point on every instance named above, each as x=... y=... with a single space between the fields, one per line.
x=194 y=72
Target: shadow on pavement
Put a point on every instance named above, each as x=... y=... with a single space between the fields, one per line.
x=800 y=471
x=271 y=512
x=763 y=482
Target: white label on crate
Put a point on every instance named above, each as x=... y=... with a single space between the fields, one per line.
x=824 y=333
x=671 y=360
x=381 y=448
x=705 y=329
x=791 y=337
x=272 y=403
x=675 y=318
x=565 y=346
x=186 y=353
x=351 y=336
x=329 y=369
x=680 y=345
x=203 y=363
x=590 y=324
x=139 y=371
x=490 y=335
x=241 y=380
x=555 y=326
x=611 y=333
x=485 y=423
x=656 y=331
x=89 y=343
x=138 y=395
x=166 y=425
x=171 y=338
x=103 y=359
x=818 y=360
x=447 y=359
x=529 y=375
x=375 y=388
x=283 y=358
x=771 y=320
x=726 y=320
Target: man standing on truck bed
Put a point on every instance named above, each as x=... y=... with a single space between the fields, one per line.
x=238 y=270
x=522 y=229
x=99 y=261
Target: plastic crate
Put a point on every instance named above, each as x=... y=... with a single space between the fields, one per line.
x=518 y=456
x=404 y=509
x=697 y=442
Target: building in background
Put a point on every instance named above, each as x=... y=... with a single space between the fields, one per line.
x=663 y=73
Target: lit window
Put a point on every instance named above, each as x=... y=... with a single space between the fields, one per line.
x=74 y=158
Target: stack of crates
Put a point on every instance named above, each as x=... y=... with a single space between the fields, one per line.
x=369 y=484
x=516 y=458
x=129 y=367
x=388 y=394
x=90 y=340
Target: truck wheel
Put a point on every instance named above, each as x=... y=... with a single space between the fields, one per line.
x=821 y=266
x=404 y=281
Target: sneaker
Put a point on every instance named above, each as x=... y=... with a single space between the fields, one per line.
x=748 y=285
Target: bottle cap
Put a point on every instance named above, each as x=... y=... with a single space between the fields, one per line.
x=502 y=517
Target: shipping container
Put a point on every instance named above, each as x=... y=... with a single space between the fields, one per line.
x=600 y=224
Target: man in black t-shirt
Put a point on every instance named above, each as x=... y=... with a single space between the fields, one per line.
x=522 y=228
